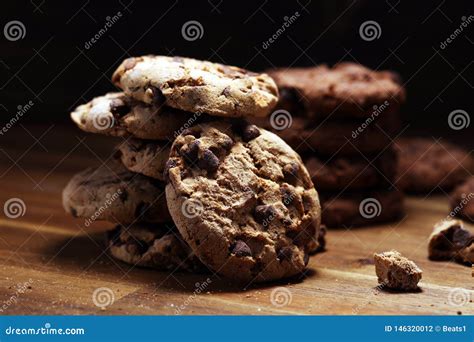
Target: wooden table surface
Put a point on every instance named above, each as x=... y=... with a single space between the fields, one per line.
x=51 y=264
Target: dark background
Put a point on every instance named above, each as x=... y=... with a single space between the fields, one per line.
x=51 y=66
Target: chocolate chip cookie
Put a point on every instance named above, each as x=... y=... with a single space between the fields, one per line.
x=343 y=137
x=197 y=86
x=116 y=114
x=345 y=90
x=462 y=200
x=428 y=165
x=145 y=156
x=114 y=194
x=356 y=173
x=361 y=209
x=243 y=200
x=157 y=246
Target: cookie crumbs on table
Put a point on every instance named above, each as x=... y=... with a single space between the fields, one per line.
x=396 y=272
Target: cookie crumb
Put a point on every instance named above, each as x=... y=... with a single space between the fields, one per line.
x=396 y=272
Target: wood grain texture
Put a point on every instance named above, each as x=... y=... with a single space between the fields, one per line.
x=51 y=264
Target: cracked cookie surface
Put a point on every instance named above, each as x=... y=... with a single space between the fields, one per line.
x=157 y=246
x=243 y=200
x=197 y=86
x=116 y=114
x=114 y=194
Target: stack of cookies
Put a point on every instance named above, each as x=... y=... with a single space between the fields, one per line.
x=342 y=121
x=192 y=185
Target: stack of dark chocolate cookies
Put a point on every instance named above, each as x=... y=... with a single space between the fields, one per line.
x=192 y=185
x=342 y=121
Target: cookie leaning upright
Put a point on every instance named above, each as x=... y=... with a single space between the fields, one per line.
x=197 y=86
x=243 y=200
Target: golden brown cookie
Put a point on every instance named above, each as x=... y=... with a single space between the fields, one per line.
x=197 y=86
x=116 y=114
x=356 y=209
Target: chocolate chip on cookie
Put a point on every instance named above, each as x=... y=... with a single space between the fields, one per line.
x=244 y=228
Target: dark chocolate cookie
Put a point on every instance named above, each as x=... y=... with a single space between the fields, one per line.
x=357 y=173
x=345 y=90
x=428 y=165
x=197 y=86
x=342 y=137
x=361 y=209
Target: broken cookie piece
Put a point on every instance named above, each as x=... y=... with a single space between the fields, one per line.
x=396 y=272
x=450 y=240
